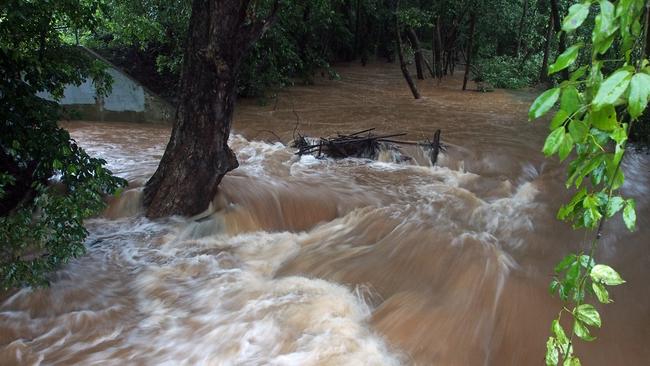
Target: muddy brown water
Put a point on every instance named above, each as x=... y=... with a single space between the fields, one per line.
x=350 y=262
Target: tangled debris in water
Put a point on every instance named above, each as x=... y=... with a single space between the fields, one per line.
x=362 y=144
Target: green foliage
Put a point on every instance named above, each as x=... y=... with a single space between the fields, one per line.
x=566 y=59
x=306 y=37
x=509 y=72
x=48 y=185
x=415 y=17
x=598 y=105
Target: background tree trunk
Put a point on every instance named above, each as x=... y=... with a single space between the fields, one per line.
x=547 y=48
x=521 y=27
x=400 y=54
x=438 y=49
x=419 y=60
x=468 y=64
x=197 y=155
x=555 y=11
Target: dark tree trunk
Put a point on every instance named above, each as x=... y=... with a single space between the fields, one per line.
x=434 y=49
x=521 y=27
x=452 y=61
x=197 y=155
x=543 y=74
x=367 y=37
x=558 y=29
x=400 y=54
x=357 y=28
x=419 y=60
x=472 y=25
x=438 y=50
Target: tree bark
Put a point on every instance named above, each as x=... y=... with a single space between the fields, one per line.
x=197 y=155
x=543 y=74
x=419 y=60
x=558 y=29
x=400 y=54
x=438 y=50
x=472 y=25
x=357 y=28
x=521 y=27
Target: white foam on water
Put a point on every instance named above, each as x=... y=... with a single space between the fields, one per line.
x=204 y=300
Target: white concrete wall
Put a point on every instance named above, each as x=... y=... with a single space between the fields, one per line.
x=125 y=96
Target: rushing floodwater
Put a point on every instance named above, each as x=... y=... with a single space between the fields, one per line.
x=350 y=262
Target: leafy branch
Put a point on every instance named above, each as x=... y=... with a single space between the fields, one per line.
x=598 y=106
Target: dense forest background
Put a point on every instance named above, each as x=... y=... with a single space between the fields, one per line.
x=147 y=39
x=510 y=46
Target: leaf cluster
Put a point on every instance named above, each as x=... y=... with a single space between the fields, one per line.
x=597 y=106
x=48 y=184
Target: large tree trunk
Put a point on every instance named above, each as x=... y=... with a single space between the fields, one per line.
x=197 y=155
x=468 y=64
x=419 y=60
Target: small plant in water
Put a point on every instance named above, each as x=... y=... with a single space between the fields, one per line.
x=598 y=105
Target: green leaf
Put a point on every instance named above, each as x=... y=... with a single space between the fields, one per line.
x=57 y=165
x=571 y=361
x=569 y=207
x=614 y=205
x=552 y=355
x=601 y=292
x=588 y=315
x=612 y=88
x=565 y=263
x=572 y=275
x=598 y=174
x=582 y=331
x=605 y=28
x=570 y=101
x=566 y=59
x=619 y=134
x=604 y=118
x=586 y=262
x=578 y=131
x=629 y=214
x=558 y=331
x=605 y=274
x=565 y=147
x=553 y=141
x=607 y=17
x=543 y=103
x=591 y=215
x=558 y=119
x=553 y=287
x=639 y=94
x=578 y=73
x=577 y=15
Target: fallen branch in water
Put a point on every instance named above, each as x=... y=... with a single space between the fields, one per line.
x=361 y=144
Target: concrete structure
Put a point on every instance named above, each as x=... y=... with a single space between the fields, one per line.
x=128 y=101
